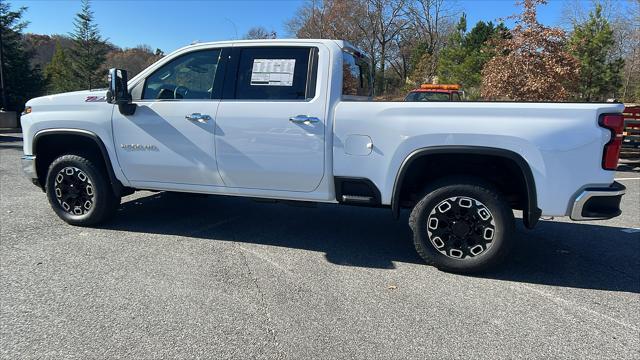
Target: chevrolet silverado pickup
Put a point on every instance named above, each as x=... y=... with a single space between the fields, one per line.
x=293 y=120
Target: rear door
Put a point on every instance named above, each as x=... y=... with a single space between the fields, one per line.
x=271 y=122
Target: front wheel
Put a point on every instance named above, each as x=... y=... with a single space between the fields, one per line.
x=462 y=225
x=79 y=192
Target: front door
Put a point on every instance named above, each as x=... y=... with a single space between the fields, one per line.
x=170 y=137
x=270 y=128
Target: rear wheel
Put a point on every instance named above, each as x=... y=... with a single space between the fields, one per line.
x=462 y=225
x=79 y=192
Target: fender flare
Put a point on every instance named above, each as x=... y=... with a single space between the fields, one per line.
x=531 y=212
x=116 y=185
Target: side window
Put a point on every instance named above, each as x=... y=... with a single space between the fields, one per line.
x=276 y=73
x=190 y=76
x=356 y=75
x=456 y=97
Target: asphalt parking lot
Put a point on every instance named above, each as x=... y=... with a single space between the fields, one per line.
x=175 y=276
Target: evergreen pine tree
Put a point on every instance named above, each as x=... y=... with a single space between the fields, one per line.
x=453 y=55
x=89 y=49
x=462 y=60
x=59 y=73
x=21 y=80
x=591 y=43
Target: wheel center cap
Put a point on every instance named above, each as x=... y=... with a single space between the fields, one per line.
x=460 y=228
x=73 y=191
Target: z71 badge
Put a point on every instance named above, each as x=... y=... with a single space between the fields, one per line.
x=138 y=147
x=95 y=99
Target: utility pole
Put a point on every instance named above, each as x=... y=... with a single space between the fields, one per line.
x=4 y=97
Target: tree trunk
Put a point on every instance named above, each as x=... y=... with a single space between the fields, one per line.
x=383 y=55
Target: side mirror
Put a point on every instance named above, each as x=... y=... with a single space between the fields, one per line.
x=118 y=92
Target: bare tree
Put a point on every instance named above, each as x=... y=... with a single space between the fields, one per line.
x=133 y=60
x=259 y=32
x=365 y=32
x=308 y=22
x=321 y=19
x=400 y=55
x=631 y=81
x=388 y=30
x=337 y=19
x=432 y=21
x=388 y=22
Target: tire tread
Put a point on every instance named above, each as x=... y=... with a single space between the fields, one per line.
x=468 y=184
x=109 y=201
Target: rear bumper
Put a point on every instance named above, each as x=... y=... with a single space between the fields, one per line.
x=29 y=168
x=598 y=203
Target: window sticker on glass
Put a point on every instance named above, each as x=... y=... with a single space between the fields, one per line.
x=273 y=72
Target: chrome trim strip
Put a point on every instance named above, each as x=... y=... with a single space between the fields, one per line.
x=356 y=198
x=43 y=131
x=578 y=204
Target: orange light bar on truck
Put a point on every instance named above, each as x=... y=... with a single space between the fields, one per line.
x=440 y=86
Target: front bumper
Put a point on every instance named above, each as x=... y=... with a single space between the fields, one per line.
x=598 y=203
x=29 y=168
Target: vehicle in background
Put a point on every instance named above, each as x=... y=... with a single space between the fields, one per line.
x=436 y=92
x=631 y=133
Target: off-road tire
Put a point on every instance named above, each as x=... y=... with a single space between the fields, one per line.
x=74 y=173
x=451 y=191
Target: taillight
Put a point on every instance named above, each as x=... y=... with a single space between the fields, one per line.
x=611 y=154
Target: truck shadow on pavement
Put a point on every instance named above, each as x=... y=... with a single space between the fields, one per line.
x=555 y=253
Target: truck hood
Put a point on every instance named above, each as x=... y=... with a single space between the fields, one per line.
x=70 y=98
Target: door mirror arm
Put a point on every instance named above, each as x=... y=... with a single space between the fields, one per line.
x=118 y=93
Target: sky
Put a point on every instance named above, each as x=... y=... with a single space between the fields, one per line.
x=169 y=25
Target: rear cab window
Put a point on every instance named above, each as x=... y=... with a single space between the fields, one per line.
x=356 y=76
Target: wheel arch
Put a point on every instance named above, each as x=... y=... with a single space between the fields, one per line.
x=88 y=137
x=531 y=212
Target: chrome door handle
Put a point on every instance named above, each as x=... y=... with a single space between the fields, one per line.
x=198 y=117
x=303 y=119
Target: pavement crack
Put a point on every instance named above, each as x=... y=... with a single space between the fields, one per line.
x=577 y=308
x=263 y=305
x=208 y=227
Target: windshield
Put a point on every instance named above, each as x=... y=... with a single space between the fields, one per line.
x=427 y=96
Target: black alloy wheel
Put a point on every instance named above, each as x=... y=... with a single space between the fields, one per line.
x=79 y=191
x=462 y=224
x=461 y=227
x=73 y=190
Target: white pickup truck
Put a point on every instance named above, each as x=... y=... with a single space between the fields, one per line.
x=294 y=120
